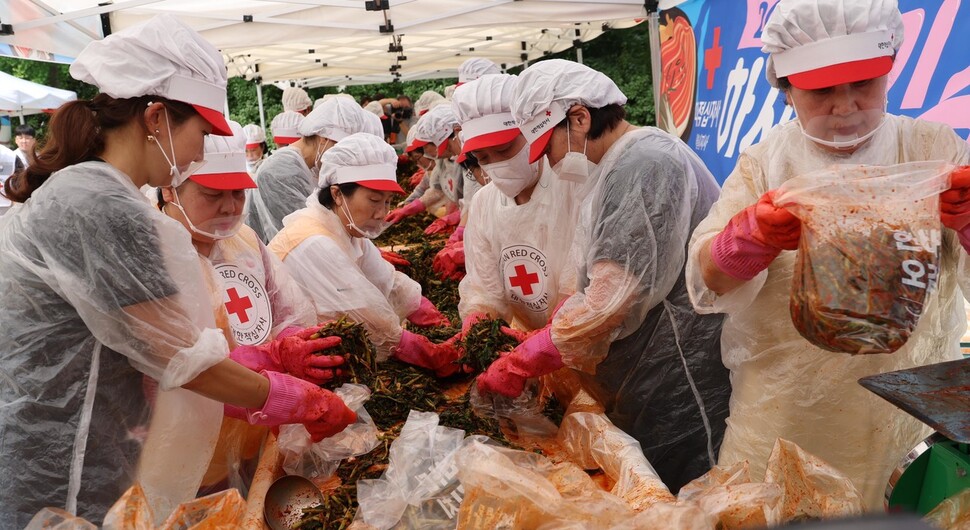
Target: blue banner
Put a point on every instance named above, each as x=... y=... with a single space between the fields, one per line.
x=714 y=95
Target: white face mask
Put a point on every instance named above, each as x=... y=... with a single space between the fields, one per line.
x=318 y=159
x=843 y=132
x=178 y=177
x=513 y=175
x=352 y=225
x=250 y=166
x=574 y=167
x=217 y=228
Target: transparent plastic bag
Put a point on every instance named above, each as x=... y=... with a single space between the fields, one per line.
x=812 y=489
x=681 y=516
x=868 y=254
x=317 y=461
x=58 y=519
x=130 y=512
x=220 y=511
x=952 y=514
x=520 y=417
x=592 y=441
x=727 y=494
x=506 y=488
x=419 y=488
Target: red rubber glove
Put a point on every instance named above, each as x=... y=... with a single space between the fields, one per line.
x=416 y=177
x=754 y=237
x=442 y=224
x=457 y=235
x=955 y=205
x=415 y=206
x=420 y=351
x=395 y=259
x=449 y=263
x=293 y=352
x=291 y=400
x=427 y=315
x=536 y=356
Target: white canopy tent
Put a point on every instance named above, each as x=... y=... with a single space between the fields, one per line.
x=22 y=97
x=335 y=42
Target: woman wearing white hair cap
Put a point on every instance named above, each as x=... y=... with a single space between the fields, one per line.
x=650 y=359
x=436 y=134
x=260 y=309
x=98 y=288
x=285 y=127
x=832 y=59
x=289 y=175
x=255 y=147
x=327 y=247
x=527 y=207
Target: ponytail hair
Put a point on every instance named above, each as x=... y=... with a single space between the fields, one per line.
x=77 y=134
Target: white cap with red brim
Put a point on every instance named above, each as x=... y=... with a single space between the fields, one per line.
x=547 y=90
x=823 y=43
x=225 y=163
x=363 y=159
x=286 y=127
x=254 y=135
x=436 y=127
x=161 y=57
x=483 y=108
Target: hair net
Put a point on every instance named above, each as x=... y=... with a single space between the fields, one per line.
x=437 y=125
x=361 y=149
x=374 y=107
x=491 y=94
x=225 y=162
x=286 y=125
x=254 y=135
x=449 y=90
x=564 y=82
x=472 y=69
x=824 y=27
x=296 y=99
x=427 y=100
x=328 y=97
x=338 y=118
x=162 y=57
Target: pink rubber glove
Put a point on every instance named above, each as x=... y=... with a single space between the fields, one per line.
x=395 y=259
x=471 y=320
x=291 y=400
x=754 y=237
x=457 y=235
x=427 y=315
x=955 y=205
x=293 y=352
x=449 y=263
x=415 y=206
x=536 y=356
x=420 y=351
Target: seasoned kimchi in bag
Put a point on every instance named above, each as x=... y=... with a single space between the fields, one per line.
x=868 y=254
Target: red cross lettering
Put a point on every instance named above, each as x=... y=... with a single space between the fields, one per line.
x=524 y=280
x=712 y=58
x=237 y=305
x=451 y=185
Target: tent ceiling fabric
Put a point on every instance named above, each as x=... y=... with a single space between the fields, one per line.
x=347 y=41
x=19 y=96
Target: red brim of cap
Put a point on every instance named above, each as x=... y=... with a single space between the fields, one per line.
x=490 y=140
x=284 y=140
x=381 y=185
x=461 y=158
x=539 y=146
x=253 y=146
x=220 y=127
x=839 y=74
x=417 y=144
x=225 y=181
x=442 y=148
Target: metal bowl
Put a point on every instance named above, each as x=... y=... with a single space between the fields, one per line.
x=286 y=499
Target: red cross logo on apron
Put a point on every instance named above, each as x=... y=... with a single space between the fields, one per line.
x=238 y=306
x=524 y=280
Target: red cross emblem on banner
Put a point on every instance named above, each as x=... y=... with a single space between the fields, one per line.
x=238 y=305
x=524 y=280
x=451 y=185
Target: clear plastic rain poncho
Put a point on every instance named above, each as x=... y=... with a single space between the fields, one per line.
x=443 y=187
x=346 y=275
x=656 y=361
x=783 y=386
x=517 y=255
x=284 y=182
x=96 y=289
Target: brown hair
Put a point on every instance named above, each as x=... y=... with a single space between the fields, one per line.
x=76 y=134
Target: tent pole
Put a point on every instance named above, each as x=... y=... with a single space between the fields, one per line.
x=22 y=116
x=579 y=55
x=259 y=98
